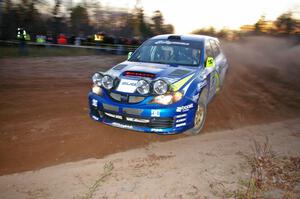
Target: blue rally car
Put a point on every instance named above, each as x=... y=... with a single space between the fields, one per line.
x=163 y=87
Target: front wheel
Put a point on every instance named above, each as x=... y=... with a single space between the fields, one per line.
x=199 y=118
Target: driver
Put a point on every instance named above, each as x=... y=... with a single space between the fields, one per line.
x=168 y=53
x=196 y=56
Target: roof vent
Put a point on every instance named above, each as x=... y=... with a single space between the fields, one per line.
x=174 y=37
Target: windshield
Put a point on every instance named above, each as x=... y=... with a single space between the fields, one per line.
x=169 y=52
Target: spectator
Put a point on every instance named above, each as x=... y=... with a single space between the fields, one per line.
x=21 y=36
x=62 y=39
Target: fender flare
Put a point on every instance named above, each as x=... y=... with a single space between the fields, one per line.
x=203 y=95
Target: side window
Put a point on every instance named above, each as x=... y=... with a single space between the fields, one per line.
x=208 y=50
x=215 y=48
x=219 y=48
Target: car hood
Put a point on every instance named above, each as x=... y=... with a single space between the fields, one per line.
x=152 y=71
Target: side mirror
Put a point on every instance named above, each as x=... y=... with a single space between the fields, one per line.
x=129 y=55
x=210 y=62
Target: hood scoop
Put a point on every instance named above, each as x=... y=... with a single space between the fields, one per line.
x=119 y=66
x=138 y=74
x=178 y=73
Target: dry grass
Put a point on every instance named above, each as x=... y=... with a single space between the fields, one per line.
x=107 y=171
x=270 y=174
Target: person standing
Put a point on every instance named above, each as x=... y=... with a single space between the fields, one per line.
x=21 y=36
x=62 y=39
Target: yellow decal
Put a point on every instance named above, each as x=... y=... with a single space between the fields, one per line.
x=176 y=86
x=217 y=82
x=129 y=55
x=210 y=62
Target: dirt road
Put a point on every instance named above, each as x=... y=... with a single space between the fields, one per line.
x=44 y=116
x=213 y=165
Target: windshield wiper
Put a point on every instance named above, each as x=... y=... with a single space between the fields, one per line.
x=173 y=65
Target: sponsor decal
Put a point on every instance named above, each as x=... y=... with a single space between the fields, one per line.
x=137 y=120
x=155 y=113
x=95 y=118
x=156 y=130
x=181 y=124
x=94 y=102
x=127 y=85
x=180 y=120
x=182 y=115
x=200 y=85
x=172 y=42
x=184 y=108
x=122 y=125
x=114 y=116
x=195 y=98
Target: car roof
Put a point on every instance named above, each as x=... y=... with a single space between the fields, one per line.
x=187 y=37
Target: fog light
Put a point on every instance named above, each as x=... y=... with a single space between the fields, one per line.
x=163 y=99
x=107 y=82
x=167 y=99
x=97 y=90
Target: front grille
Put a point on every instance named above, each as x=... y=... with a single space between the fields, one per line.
x=110 y=107
x=131 y=99
x=116 y=96
x=158 y=122
x=138 y=121
x=135 y=99
x=132 y=111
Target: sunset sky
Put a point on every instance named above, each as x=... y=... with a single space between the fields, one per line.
x=188 y=15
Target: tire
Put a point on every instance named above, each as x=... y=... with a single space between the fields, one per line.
x=202 y=103
x=199 y=122
x=204 y=96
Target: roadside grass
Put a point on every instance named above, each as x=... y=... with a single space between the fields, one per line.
x=42 y=51
x=272 y=176
x=271 y=172
x=107 y=171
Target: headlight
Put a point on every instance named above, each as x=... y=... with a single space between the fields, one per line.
x=177 y=96
x=143 y=87
x=107 y=82
x=160 y=87
x=97 y=78
x=167 y=99
x=97 y=90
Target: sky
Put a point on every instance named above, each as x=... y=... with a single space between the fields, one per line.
x=188 y=15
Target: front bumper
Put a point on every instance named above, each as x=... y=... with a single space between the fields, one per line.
x=170 y=119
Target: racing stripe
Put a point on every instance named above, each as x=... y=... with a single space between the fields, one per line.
x=176 y=86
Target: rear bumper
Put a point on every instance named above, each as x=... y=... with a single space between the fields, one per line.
x=151 y=118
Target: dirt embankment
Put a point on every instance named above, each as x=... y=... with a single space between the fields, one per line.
x=43 y=103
